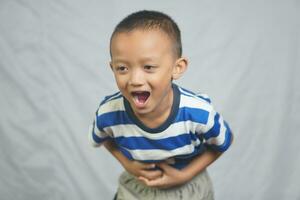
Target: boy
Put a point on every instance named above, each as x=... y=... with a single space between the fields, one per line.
x=163 y=135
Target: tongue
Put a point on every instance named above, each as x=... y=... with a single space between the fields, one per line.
x=142 y=97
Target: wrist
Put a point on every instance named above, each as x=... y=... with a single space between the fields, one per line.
x=187 y=174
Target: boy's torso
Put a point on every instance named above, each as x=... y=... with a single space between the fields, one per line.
x=179 y=137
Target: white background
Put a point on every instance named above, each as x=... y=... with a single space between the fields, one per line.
x=54 y=72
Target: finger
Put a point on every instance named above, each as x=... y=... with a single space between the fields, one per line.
x=143 y=179
x=152 y=183
x=165 y=167
x=157 y=183
x=149 y=166
x=146 y=165
x=151 y=174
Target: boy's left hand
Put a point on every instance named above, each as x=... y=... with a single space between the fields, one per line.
x=171 y=177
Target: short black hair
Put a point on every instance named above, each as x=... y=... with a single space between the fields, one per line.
x=151 y=20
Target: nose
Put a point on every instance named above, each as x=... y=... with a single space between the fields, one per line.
x=136 y=78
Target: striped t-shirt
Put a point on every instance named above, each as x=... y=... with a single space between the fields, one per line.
x=192 y=126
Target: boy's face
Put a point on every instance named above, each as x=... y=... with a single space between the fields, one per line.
x=143 y=62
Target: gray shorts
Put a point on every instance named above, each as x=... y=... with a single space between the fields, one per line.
x=199 y=188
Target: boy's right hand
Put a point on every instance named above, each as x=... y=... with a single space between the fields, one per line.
x=139 y=169
x=136 y=168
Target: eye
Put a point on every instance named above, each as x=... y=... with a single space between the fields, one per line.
x=121 y=68
x=148 y=67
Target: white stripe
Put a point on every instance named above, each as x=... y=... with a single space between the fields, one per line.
x=157 y=154
x=220 y=139
x=96 y=130
x=175 y=129
x=186 y=101
x=210 y=121
x=106 y=100
x=196 y=96
x=99 y=133
x=111 y=106
x=90 y=137
x=185 y=92
x=203 y=95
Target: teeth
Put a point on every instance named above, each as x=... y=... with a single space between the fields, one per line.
x=140 y=97
x=136 y=98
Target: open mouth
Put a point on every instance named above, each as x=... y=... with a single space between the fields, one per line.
x=140 y=97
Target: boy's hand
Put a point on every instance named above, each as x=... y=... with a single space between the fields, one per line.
x=171 y=177
x=139 y=169
x=135 y=168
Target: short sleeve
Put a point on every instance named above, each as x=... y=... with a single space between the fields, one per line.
x=96 y=134
x=217 y=133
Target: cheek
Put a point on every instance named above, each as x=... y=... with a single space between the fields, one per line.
x=121 y=82
x=161 y=82
x=163 y=77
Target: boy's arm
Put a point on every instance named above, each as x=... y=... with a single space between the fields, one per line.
x=172 y=177
x=135 y=168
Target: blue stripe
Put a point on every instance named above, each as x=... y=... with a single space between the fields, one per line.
x=121 y=117
x=95 y=137
x=109 y=98
x=205 y=99
x=198 y=149
x=125 y=153
x=197 y=96
x=188 y=95
x=192 y=114
x=215 y=130
x=117 y=97
x=192 y=94
x=227 y=142
x=98 y=139
x=142 y=143
x=182 y=161
x=187 y=91
x=112 y=118
x=183 y=158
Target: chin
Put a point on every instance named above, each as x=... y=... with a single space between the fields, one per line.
x=143 y=111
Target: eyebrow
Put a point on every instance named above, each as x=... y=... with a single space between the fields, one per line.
x=119 y=60
x=144 y=59
x=149 y=58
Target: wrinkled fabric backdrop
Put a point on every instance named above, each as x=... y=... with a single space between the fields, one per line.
x=54 y=71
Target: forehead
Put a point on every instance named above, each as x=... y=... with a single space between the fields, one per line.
x=145 y=43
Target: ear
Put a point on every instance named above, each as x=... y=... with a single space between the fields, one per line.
x=110 y=64
x=179 y=68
